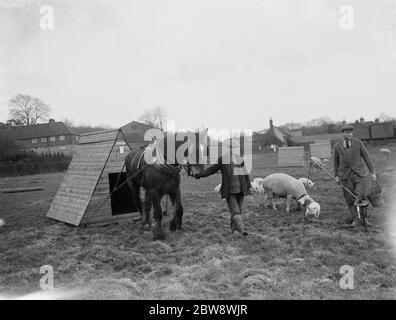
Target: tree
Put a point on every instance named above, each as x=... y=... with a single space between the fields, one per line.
x=292 y=126
x=155 y=117
x=384 y=117
x=332 y=128
x=14 y=122
x=26 y=109
x=318 y=122
x=68 y=122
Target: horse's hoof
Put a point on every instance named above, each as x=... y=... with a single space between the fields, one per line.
x=172 y=226
x=146 y=226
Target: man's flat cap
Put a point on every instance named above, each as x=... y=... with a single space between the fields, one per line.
x=347 y=127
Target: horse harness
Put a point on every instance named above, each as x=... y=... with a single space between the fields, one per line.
x=163 y=166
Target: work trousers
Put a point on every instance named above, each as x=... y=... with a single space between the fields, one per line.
x=358 y=185
x=235 y=203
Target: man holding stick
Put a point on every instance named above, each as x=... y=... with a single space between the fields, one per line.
x=349 y=154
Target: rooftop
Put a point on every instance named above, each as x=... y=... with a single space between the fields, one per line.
x=48 y=129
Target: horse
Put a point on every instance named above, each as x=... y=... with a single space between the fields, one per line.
x=162 y=177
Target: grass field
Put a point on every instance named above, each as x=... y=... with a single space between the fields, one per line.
x=285 y=256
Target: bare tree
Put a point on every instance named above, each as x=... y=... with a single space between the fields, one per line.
x=26 y=109
x=319 y=122
x=68 y=122
x=155 y=117
x=14 y=122
x=292 y=126
x=384 y=117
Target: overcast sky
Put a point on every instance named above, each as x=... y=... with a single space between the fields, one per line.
x=218 y=63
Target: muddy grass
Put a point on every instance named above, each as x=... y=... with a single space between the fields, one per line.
x=285 y=256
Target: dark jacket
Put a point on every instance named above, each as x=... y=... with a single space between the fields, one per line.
x=224 y=164
x=350 y=159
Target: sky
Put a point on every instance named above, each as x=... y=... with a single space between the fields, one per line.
x=213 y=63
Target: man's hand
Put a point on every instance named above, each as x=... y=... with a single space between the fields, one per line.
x=337 y=180
x=374 y=177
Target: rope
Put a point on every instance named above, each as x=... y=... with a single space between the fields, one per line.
x=345 y=188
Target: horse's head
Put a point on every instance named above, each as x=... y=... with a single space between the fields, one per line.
x=197 y=153
x=192 y=150
x=189 y=149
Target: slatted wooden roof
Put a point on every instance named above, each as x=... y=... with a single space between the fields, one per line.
x=81 y=178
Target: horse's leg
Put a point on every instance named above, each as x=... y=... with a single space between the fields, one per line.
x=158 y=232
x=172 y=224
x=177 y=220
x=147 y=204
x=135 y=193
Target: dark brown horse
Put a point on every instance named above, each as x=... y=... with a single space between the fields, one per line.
x=157 y=171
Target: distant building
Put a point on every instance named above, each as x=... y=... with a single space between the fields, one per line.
x=306 y=141
x=134 y=133
x=273 y=138
x=51 y=137
x=374 y=131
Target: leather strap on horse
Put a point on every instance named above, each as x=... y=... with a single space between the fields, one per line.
x=168 y=169
x=164 y=167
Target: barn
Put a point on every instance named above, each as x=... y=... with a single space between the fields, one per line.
x=85 y=195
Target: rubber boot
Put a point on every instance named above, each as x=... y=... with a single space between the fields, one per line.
x=353 y=219
x=364 y=210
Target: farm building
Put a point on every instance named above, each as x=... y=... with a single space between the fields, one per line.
x=374 y=131
x=362 y=132
x=308 y=141
x=273 y=138
x=134 y=133
x=84 y=196
x=382 y=130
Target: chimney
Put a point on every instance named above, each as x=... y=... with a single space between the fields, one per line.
x=271 y=124
x=51 y=121
x=361 y=120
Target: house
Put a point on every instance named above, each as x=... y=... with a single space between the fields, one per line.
x=271 y=139
x=51 y=137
